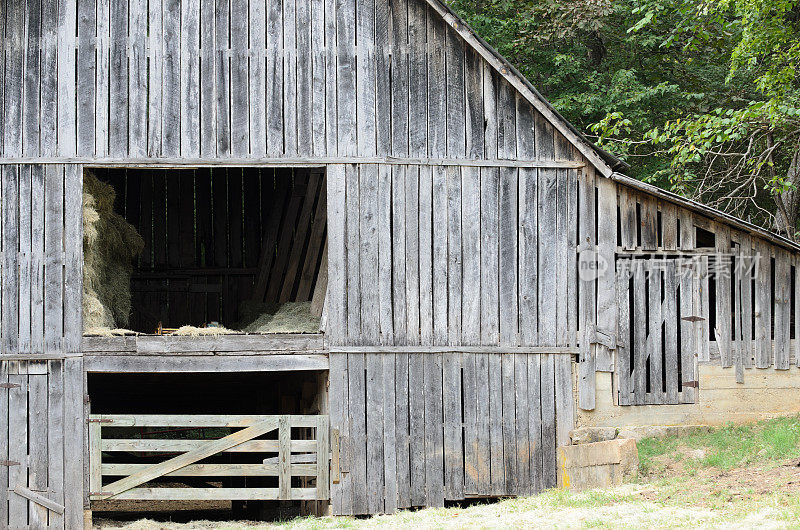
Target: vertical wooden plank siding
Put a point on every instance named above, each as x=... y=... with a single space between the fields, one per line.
x=763 y=306
x=724 y=296
x=418 y=255
x=587 y=365
x=782 y=302
x=606 y=283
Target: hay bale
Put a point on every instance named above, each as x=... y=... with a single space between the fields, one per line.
x=110 y=246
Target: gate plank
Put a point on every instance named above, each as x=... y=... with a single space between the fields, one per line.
x=191 y=457
x=284 y=458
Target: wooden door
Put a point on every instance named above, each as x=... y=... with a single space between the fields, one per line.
x=662 y=321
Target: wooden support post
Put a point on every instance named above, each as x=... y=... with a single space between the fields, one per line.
x=284 y=458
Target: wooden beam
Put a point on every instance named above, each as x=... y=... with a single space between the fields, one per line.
x=208 y=363
x=193 y=420
x=312 y=162
x=564 y=350
x=238 y=344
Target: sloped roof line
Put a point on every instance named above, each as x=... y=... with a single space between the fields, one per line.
x=606 y=163
x=603 y=161
x=713 y=213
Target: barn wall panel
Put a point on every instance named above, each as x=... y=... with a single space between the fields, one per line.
x=298 y=78
x=41 y=402
x=440 y=471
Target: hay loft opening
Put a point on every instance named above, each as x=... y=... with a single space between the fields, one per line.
x=204 y=251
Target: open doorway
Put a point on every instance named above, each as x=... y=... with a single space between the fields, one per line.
x=204 y=251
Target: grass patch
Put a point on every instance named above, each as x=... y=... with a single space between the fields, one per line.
x=726 y=447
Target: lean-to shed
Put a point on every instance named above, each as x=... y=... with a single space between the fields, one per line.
x=487 y=278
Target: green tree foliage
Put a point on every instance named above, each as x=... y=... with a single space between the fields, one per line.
x=698 y=96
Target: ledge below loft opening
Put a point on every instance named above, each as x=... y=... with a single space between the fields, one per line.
x=204 y=252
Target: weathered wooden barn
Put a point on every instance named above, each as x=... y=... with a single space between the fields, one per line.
x=479 y=262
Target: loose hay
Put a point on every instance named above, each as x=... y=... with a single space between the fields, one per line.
x=192 y=331
x=291 y=317
x=110 y=245
x=108 y=332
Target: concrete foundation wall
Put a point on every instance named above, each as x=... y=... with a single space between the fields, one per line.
x=764 y=394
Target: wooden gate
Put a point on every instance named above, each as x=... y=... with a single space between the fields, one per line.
x=663 y=308
x=236 y=457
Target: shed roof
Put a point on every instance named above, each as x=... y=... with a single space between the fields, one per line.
x=605 y=162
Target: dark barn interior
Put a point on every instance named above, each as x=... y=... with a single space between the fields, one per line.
x=217 y=239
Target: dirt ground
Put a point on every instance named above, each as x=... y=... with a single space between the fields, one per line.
x=710 y=485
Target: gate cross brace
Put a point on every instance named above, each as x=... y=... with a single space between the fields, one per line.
x=39 y=499
x=180 y=461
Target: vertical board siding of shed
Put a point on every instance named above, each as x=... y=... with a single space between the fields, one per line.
x=214 y=78
x=36 y=225
x=53 y=295
x=10 y=278
x=586 y=296
x=606 y=283
x=190 y=79
x=316 y=73
x=724 y=296
x=4 y=449
x=222 y=75
x=240 y=77
x=138 y=82
x=763 y=306
x=31 y=81
x=208 y=121
x=782 y=309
